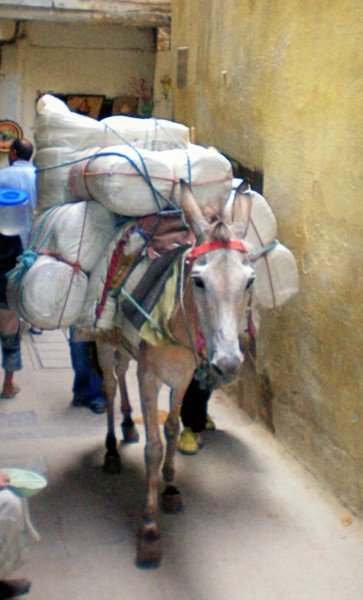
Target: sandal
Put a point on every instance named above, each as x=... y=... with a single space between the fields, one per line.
x=7 y=395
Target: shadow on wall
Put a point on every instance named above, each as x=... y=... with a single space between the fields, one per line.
x=239 y=171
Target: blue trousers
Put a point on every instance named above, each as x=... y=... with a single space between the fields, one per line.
x=11 y=354
x=87 y=383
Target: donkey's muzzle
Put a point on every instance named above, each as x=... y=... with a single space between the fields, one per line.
x=226 y=368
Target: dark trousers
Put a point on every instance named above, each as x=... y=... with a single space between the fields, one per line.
x=11 y=354
x=194 y=409
x=87 y=383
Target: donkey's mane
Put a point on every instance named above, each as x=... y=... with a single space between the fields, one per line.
x=220 y=232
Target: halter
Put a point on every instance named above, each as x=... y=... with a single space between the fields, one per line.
x=211 y=246
x=202 y=372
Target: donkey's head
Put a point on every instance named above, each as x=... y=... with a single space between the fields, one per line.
x=221 y=274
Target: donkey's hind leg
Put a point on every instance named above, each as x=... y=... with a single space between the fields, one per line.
x=106 y=358
x=129 y=430
x=148 y=540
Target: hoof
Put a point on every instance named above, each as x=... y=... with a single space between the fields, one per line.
x=171 y=500
x=148 y=548
x=130 y=434
x=112 y=464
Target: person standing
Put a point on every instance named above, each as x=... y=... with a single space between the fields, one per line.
x=20 y=174
x=88 y=380
x=17 y=535
x=10 y=248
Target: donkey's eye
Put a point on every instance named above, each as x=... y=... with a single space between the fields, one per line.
x=198 y=282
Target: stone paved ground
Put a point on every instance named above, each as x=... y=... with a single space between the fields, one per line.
x=255 y=525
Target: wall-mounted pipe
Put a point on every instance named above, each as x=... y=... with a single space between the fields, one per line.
x=17 y=35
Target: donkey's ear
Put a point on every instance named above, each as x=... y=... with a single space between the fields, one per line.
x=196 y=220
x=241 y=209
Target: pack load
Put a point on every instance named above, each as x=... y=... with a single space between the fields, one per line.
x=49 y=293
x=148 y=134
x=110 y=233
x=53 y=166
x=75 y=233
x=101 y=303
x=131 y=165
x=56 y=126
x=277 y=276
x=49 y=284
x=134 y=182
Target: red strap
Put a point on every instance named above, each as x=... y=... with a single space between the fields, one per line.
x=210 y=246
x=75 y=265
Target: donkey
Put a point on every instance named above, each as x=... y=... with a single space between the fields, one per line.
x=206 y=324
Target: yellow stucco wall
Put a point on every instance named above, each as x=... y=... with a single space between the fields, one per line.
x=278 y=86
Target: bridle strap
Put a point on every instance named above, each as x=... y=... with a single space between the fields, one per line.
x=211 y=246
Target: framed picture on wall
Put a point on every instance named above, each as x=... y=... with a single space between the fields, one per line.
x=125 y=105
x=83 y=104
x=9 y=131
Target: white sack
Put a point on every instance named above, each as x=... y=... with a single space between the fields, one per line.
x=206 y=170
x=52 y=294
x=53 y=166
x=277 y=277
x=97 y=280
x=261 y=226
x=57 y=126
x=120 y=178
x=117 y=180
x=150 y=134
x=79 y=232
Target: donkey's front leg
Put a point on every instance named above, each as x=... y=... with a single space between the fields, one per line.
x=148 y=543
x=106 y=354
x=172 y=501
x=129 y=430
x=171 y=498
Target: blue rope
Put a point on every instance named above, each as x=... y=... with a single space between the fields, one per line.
x=25 y=262
x=38 y=232
x=255 y=255
x=144 y=174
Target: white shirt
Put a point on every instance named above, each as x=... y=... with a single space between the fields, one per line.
x=21 y=175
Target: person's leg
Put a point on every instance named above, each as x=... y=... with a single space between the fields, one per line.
x=11 y=362
x=87 y=383
x=194 y=416
x=194 y=408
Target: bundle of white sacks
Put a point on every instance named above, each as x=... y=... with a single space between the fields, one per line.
x=49 y=286
x=131 y=165
x=277 y=276
x=89 y=173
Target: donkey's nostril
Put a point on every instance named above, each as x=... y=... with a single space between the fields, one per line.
x=226 y=368
x=217 y=370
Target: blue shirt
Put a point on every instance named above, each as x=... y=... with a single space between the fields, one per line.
x=21 y=175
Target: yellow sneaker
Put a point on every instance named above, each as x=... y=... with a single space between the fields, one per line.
x=189 y=442
x=210 y=424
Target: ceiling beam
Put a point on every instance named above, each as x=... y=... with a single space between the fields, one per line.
x=138 y=13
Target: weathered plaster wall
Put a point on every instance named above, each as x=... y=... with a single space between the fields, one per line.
x=278 y=86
